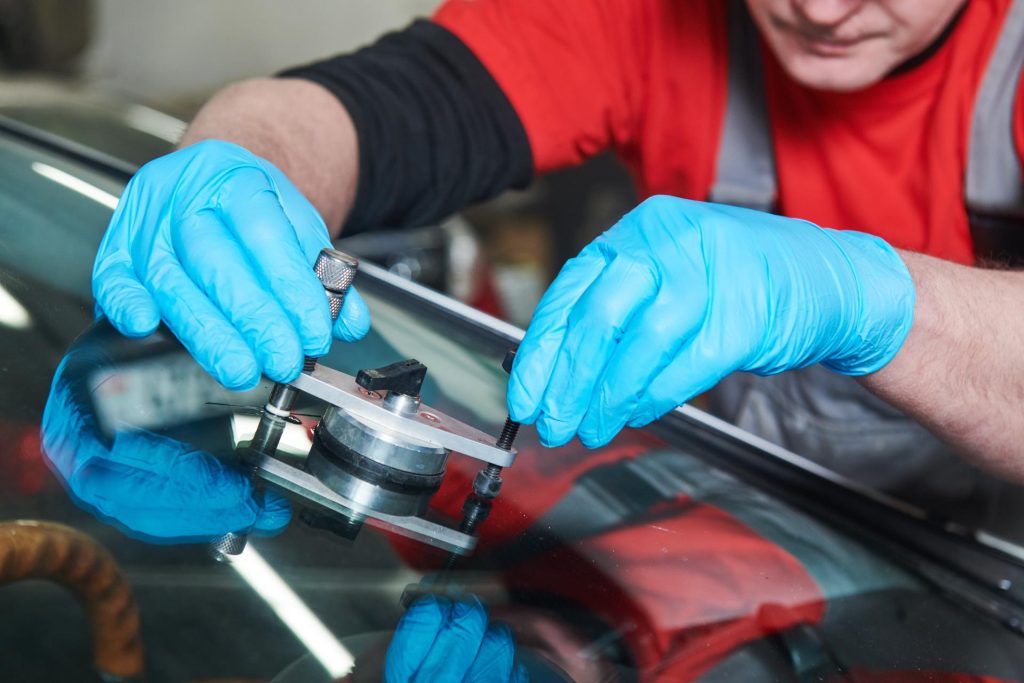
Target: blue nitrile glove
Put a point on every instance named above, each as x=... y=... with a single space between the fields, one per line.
x=445 y=641
x=221 y=245
x=678 y=294
x=149 y=485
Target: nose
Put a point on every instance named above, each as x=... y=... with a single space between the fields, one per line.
x=826 y=13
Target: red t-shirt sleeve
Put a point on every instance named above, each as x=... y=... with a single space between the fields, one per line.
x=572 y=69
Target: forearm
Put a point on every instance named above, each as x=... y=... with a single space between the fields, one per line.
x=436 y=130
x=297 y=125
x=960 y=371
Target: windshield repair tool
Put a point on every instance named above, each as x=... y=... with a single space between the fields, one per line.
x=378 y=453
x=336 y=271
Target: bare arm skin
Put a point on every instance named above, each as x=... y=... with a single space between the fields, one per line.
x=298 y=126
x=961 y=370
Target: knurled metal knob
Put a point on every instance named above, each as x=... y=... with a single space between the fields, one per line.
x=336 y=270
x=230 y=544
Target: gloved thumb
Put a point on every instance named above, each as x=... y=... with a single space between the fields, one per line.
x=354 y=321
x=273 y=515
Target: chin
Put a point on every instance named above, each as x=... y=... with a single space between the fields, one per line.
x=838 y=74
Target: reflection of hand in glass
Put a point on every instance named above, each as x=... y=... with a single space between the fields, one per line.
x=439 y=639
x=149 y=485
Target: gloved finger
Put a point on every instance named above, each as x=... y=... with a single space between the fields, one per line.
x=310 y=229
x=273 y=515
x=645 y=350
x=67 y=436
x=124 y=300
x=216 y=263
x=202 y=328
x=251 y=210
x=537 y=352
x=457 y=644
x=711 y=354
x=354 y=321
x=146 y=483
x=414 y=637
x=165 y=492
x=594 y=326
x=154 y=519
x=115 y=285
x=495 y=660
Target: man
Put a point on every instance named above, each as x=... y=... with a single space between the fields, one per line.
x=869 y=103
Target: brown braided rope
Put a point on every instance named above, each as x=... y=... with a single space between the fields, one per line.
x=44 y=550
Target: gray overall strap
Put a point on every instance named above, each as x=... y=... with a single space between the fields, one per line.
x=994 y=185
x=745 y=171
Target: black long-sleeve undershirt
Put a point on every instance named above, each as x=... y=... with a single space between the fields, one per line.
x=435 y=130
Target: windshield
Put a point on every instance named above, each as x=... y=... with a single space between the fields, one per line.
x=685 y=552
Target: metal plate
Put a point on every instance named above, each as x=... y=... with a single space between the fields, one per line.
x=312 y=489
x=426 y=425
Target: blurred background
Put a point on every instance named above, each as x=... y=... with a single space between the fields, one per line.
x=72 y=65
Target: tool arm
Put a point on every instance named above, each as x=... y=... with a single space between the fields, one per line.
x=960 y=370
x=216 y=239
x=403 y=132
x=297 y=125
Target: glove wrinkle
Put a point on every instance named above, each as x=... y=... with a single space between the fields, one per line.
x=149 y=485
x=223 y=245
x=684 y=293
x=440 y=640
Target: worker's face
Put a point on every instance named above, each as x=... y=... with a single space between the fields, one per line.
x=849 y=44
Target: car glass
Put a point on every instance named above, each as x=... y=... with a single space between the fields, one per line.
x=644 y=560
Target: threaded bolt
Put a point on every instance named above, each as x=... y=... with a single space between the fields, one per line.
x=508 y=434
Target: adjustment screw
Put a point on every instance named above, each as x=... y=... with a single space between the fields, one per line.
x=486 y=485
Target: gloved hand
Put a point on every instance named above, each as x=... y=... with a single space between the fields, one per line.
x=149 y=485
x=678 y=294
x=221 y=245
x=441 y=640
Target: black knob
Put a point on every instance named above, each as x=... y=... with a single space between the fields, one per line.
x=404 y=377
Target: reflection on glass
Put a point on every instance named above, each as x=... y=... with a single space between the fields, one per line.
x=333 y=657
x=76 y=184
x=638 y=561
x=12 y=313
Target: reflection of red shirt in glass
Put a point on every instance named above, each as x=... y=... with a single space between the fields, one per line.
x=684 y=585
x=648 y=78
x=691 y=587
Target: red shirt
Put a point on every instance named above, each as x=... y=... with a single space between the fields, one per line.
x=648 y=78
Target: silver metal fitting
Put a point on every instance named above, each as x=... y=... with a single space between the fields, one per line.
x=401 y=404
x=336 y=270
x=486 y=486
x=223 y=547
